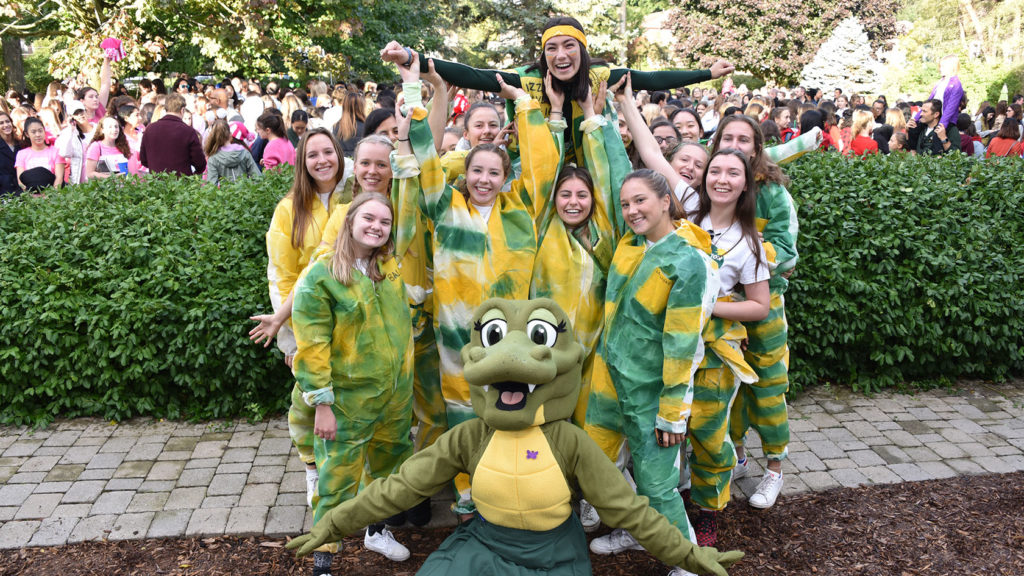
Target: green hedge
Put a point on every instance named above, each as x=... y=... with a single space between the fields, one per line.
x=120 y=299
x=910 y=270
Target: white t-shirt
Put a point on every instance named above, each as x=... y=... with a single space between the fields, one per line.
x=736 y=261
x=485 y=211
x=325 y=198
x=688 y=197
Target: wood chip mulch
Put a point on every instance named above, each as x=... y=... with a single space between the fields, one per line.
x=963 y=526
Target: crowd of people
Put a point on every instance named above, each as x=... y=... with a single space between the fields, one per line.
x=657 y=220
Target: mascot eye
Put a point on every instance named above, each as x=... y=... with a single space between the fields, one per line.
x=492 y=332
x=542 y=333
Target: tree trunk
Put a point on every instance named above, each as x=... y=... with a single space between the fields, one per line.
x=13 y=63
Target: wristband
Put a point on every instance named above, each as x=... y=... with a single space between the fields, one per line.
x=408 y=53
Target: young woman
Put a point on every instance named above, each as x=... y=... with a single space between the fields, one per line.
x=1005 y=143
x=226 y=157
x=349 y=128
x=95 y=101
x=278 y=150
x=660 y=293
x=687 y=122
x=762 y=405
x=666 y=134
x=483 y=241
x=107 y=150
x=72 y=142
x=565 y=55
x=296 y=230
x=728 y=201
x=576 y=240
x=8 y=154
x=353 y=364
x=898 y=142
x=683 y=169
x=300 y=120
x=36 y=164
x=862 y=142
x=382 y=121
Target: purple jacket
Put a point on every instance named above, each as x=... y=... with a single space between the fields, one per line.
x=951 y=97
x=170 y=145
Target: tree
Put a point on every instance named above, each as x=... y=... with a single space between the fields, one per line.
x=772 y=39
x=845 y=61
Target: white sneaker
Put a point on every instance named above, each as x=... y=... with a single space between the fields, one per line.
x=767 y=491
x=589 y=517
x=677 y=571
x=311 y=480
x=384 y=543
x=618 y=541
x=741 y=470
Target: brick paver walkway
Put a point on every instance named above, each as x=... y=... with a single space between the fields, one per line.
x=86 y=479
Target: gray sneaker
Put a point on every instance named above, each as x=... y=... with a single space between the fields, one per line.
x=384 y=543
x=589 y=517
x=618 y=541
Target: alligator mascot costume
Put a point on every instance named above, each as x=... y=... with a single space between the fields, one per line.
x=525 y=461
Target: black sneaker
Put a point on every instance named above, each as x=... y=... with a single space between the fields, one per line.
x=706 y=527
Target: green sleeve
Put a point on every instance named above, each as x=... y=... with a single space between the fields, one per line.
x=661 y=79
x=313 y=323
x=602 y=484
x=435 y=196
x=468 y=77
x=421 y=476
x=780 y=232
x=681 y=337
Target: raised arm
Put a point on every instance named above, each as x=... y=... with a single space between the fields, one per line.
x=105 y=75
x=537 y=148
x=438 y=116
x=643 y=139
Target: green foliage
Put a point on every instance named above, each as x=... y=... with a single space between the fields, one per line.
x=910 y=270
x=772 y=39
x=120 y=298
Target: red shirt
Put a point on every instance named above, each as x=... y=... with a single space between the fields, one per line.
x=862 y=145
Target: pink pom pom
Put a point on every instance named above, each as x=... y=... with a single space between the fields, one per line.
x=113 y=49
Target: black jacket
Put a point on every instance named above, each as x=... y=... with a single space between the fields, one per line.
x=8 y=175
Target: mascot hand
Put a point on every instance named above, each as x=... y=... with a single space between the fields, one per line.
x=317 y=537
x=708 y=560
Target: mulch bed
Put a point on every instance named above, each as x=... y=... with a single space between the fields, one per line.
x=962 y=526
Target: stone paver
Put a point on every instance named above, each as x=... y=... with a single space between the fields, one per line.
x=131 y=526
x=88 y=479
x=92 y=528
x=208 y=522
x=54 y=531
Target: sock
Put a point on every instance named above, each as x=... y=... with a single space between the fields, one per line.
x=312 y=473
x=322 y=563
x=374 y=529
x=741 y=461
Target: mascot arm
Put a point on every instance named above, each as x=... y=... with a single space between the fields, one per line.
x=603 y=485
x=421 y=476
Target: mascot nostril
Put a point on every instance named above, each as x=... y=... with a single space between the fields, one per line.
x=541 y=353
x=524 y=378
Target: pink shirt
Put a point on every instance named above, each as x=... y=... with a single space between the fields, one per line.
x=97 y=150
x=278 y=151
x=28 y=159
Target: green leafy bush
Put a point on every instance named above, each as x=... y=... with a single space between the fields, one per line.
x=120 y=298
x=910 y=270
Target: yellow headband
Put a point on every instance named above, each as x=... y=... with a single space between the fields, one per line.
x=563 y=30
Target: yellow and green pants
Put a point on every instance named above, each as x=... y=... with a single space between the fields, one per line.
x=762 y=405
